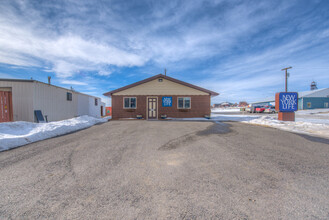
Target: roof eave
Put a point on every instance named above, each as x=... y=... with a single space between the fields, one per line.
x=211 y=93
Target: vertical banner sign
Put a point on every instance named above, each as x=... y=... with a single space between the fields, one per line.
x=288 y=101
x=166 y=101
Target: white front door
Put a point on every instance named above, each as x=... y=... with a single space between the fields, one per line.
x=152 y=108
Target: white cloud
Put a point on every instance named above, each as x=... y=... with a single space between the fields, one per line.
x=25 y=45
x=73 y=82
x=256 y=75
x=29 y=37
x=241 y=45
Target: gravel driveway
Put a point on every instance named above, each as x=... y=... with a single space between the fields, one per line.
x=168 y=170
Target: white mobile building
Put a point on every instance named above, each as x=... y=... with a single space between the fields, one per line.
x=56 y=103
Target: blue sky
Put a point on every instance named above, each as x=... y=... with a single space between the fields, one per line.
x=236 y=48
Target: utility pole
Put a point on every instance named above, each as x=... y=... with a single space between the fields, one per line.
x=165 y=71
x=286 y=69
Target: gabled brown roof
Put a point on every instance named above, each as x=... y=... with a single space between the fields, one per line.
x=163 y=77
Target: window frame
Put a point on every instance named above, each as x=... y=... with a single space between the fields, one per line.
x=309 y=105
x=69 y=96
x=184 y=102
x=129 y=102
x=96 y=102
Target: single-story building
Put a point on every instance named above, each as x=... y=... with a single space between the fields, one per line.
x=223 y=105
x=265 y=102
x=312 y=99
x=159 y=96
x=21 y=98
x=243 y=104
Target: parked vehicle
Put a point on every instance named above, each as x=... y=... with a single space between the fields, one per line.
x=270 y=109
x=260 y=109
x=253 y=108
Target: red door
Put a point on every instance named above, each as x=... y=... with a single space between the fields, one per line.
x=6 y=110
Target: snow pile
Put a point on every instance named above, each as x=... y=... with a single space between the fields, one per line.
x=315 y=122
x=225 y=110
x=14 y=134
x=216 y=117
x=316 y=116
x=300 y=126
x=322 y=111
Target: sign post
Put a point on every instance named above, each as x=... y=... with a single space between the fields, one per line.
x=286 y=103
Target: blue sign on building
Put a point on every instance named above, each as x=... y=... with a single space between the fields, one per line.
x=288 y=101
x=166 y=101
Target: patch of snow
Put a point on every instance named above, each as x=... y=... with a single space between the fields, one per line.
x=15 y=134
x=313 y=120
x=306 y=124
x=313 y=111
x=225 y=110
x=218 y=117
x=316 y=127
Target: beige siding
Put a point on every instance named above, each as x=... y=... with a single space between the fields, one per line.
x=83 y=104
x=22 y=95
x=52 y=102
x=86 y=105
x=94 y=110
x=166 y=87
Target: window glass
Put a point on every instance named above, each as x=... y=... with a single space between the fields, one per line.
x=184 y=102
x=69 y=96
x=126 y=102
x=187 y=103
x=180 y=102
x=132 y=102
x=96 y=102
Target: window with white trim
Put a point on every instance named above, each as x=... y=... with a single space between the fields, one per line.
x=129 y=102
x=184 y=102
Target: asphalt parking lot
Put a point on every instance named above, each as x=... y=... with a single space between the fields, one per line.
x=168 y=170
